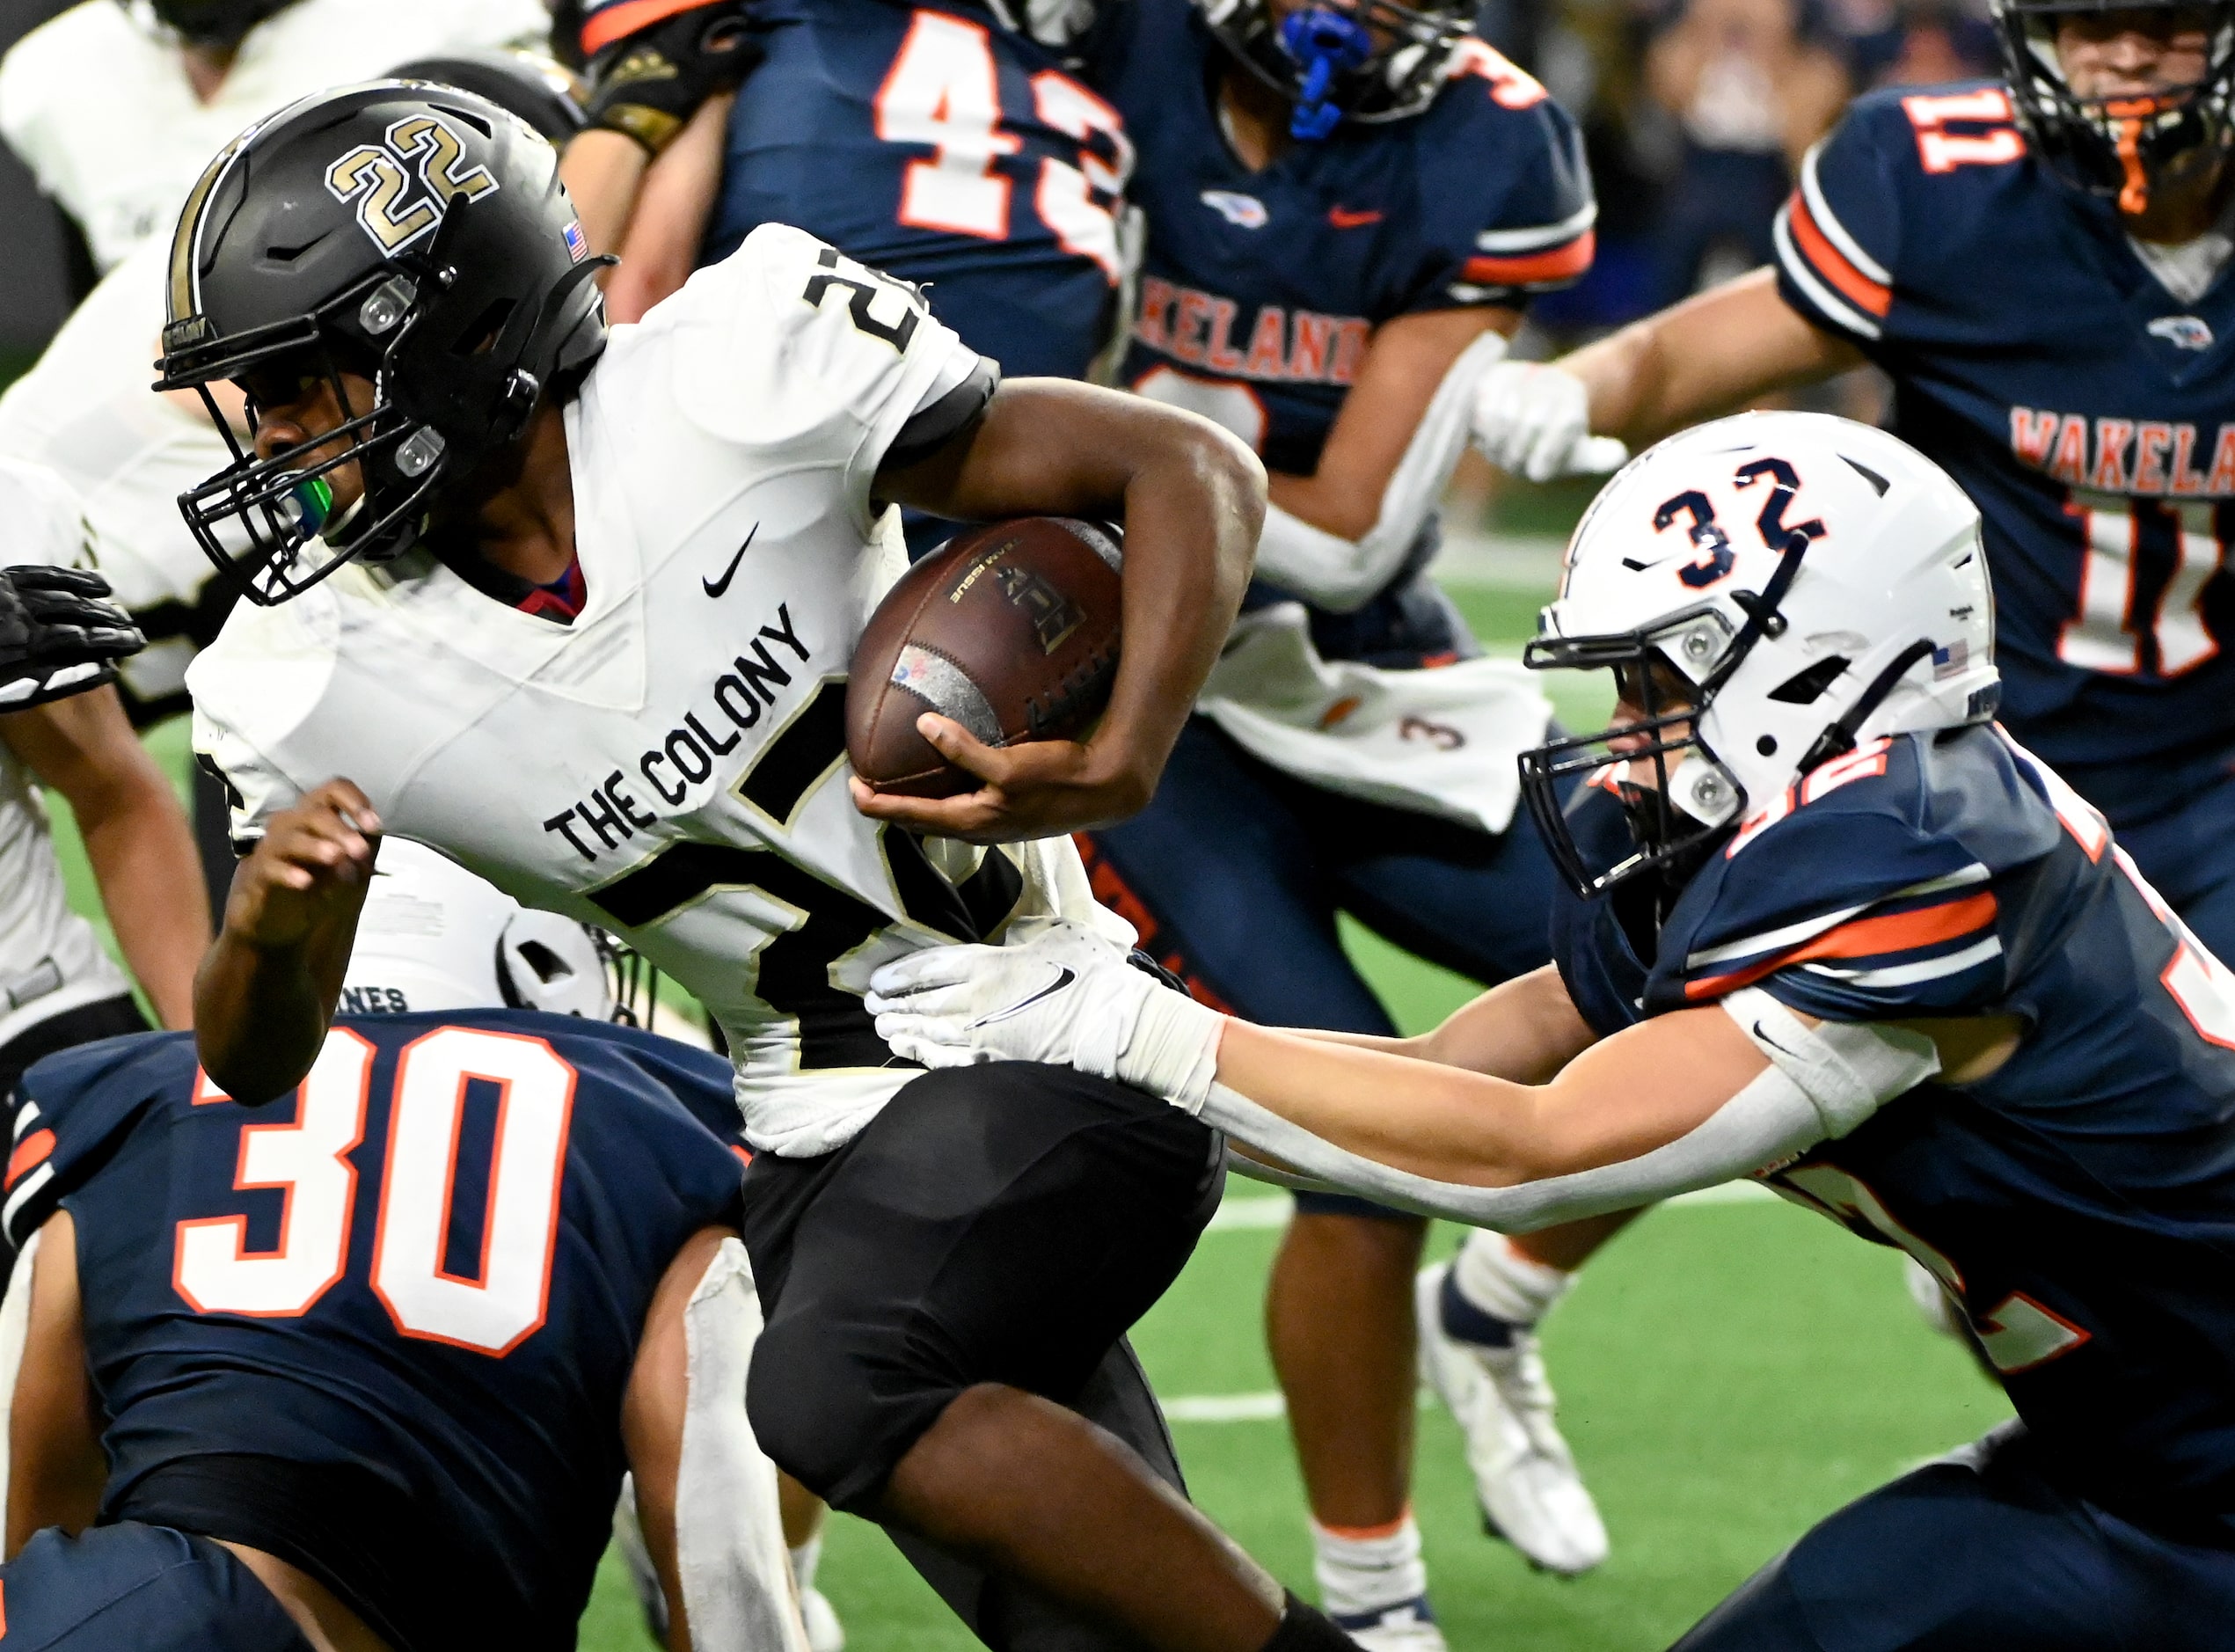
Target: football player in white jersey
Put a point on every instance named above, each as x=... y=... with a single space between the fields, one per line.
x=579 y=611
x=85 y=410
x=115 y=104
x=62 y=726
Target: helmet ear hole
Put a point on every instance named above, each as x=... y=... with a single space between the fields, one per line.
x=548 y=965
x=481 y=337
x=1806 y=687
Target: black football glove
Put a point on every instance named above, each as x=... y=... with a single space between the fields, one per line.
x=647 y=81
x=59 y=636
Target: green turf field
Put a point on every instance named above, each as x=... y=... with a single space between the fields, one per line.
x=1728 y=1372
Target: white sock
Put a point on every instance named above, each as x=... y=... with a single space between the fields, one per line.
x=1504 y=1283
x=1359 y=1573
x=805 y=1559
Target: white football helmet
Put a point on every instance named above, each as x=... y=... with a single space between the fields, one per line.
x=433 y=936
x=1812 y=582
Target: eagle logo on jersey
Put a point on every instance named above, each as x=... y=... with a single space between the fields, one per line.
x=2183 y=333
x=378 y=177
x=1245 y=211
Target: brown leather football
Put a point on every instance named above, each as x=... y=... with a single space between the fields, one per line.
x=1011 y=629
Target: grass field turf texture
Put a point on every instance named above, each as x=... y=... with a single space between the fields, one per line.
x=1728 y=1373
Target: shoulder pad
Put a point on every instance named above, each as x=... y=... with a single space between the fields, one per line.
x=1844 y=897
x=1503 y=190
x=74 y=1108
x=788 y=339
x=1879 y=182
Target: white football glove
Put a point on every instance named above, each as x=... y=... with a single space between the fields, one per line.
x=1055 y=992
x=1535 y=421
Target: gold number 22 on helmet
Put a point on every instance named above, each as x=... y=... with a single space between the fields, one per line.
x=375 y=176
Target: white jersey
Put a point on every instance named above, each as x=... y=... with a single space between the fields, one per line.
x=85 y=409
x=50 y=960
x=672 y=765
x=97 y=103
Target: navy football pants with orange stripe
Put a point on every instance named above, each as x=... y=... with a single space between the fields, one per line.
x=1234 y=873
x=146 y=1588
x=1982 y=1551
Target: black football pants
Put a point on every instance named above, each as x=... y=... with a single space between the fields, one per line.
x=1001 y=1224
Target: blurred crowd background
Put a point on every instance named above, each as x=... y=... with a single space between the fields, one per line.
x=1697 y=113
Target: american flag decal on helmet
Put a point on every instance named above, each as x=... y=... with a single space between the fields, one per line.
x=576 y=242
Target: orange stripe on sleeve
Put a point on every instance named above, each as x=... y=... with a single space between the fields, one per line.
x=616 y=21
x=31 y=1153
x=1558 y=263
x=1865 y=938
x=1834 y=265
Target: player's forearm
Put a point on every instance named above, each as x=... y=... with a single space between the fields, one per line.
x=1617 y=1101
x=1414 y=1116
x=261 y=1013
x=1193 y=512
x=603 y=171
x=142 y=855
x=1526 y=1030
x=660 y=246
x=1708 y=355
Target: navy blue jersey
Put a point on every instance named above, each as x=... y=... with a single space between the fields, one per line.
x=2080 y=1202
x=935 y=145
x=422 y=1277
x=2089 y=413
x=1259 y=291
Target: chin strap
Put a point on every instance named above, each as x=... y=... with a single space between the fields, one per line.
x=1324 y=44
x=1838 y=737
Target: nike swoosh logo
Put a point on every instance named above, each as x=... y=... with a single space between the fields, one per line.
x=1064 y=976
x=1344 y=218
x=715 y=587
x=1762 y=1037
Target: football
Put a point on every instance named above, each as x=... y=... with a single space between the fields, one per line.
x=1011 y=629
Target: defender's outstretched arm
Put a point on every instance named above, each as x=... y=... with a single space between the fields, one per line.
x=1680 y=1101
x=1710 y=355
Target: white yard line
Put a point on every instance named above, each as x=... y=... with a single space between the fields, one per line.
x=1256 y=1211
x=1264 y=1407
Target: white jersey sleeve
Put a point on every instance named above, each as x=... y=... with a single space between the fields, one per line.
x=788 y=344
x=41 y=521
x=269 y=668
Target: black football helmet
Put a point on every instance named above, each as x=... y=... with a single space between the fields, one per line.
x=2117 y=147
x=219 y=24
x=408 y=234
x=1325 y=57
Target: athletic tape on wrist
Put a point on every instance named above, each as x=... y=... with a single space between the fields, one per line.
x=1848 y=1070
x=1172 y=1049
